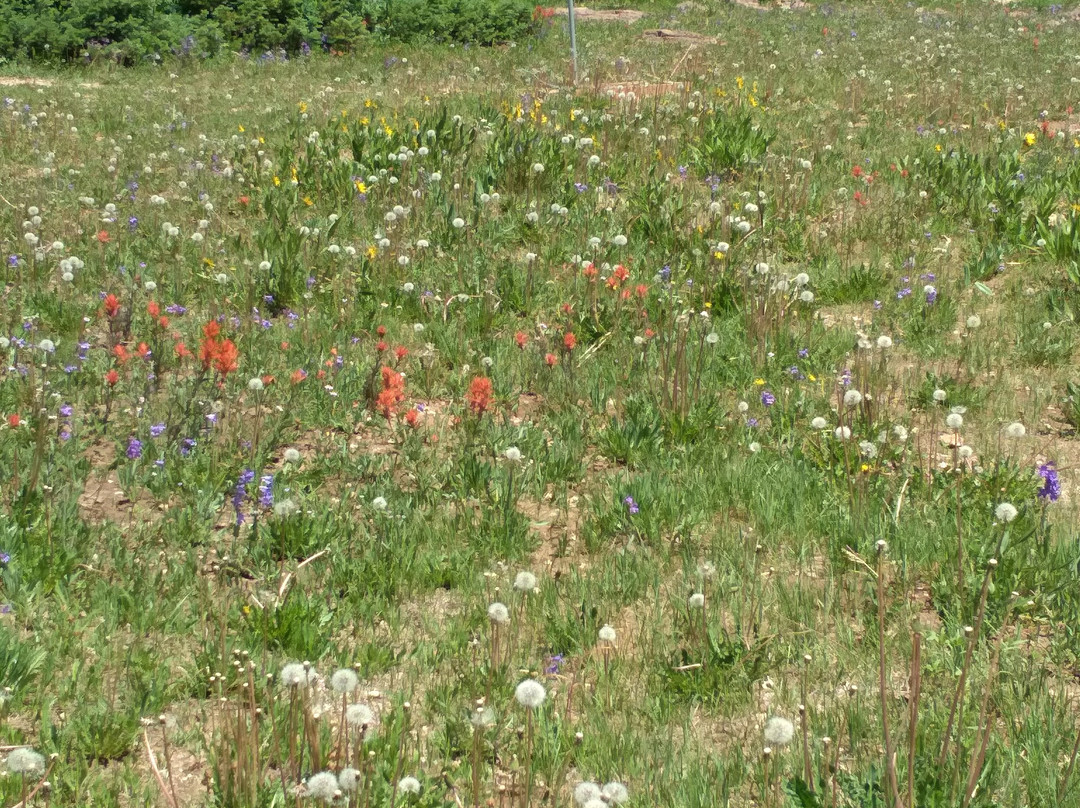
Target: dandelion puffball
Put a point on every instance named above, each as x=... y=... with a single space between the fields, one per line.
x=697 y=601
x=973 y=322
x=614 y=793
x=530 y=694
x=359 y=716
x=347 y=779
x=513 y=454
x=295 y=674
x=852 y=398
x=842 y=433
x=1015 y=430
x=586 y=792
x=607 y=634
x=954 y=420
x=322 y=787
x=525 y=582
x=940 y=395
x=778 y=731
x=498 y=613
x=379 y=503
x=344 y=681
x=1005 y=512
x=819 y=423
x=292 y=455
x=965 y=452
x=25 y=761
x=884 y=341
x=409 y=785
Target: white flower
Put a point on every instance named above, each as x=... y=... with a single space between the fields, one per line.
x=819 y=423
x=586 y=792
x=221 y=278
x=322 y=787
x=594 y=160
x=379 y=503
x=530 y=694
x=1015 y=430
x=498 y=613
x=619 y=240
x=295 y=674
x=754 y=447
x=900 y=433
x=801 y=279
x=973 y=322
x=344 y=681
x=842 y=433
x=940 y=395
x=47 y=345
x=538 y=168
x=359 y=716
x=347 y=779
x=712 y=338
x=806 y=296
x=778 y=731
x=750 y=207
x=884 y=341
x=409 y=785
x=868 y=449
x=965 y=452
x=743 y=406
x=422 y=244
x=1005 y=512
x=607 y=633
x=25 y=761
x=954 y=420
x=284 y=508
x=255 y=384
x=292 y=455
x=614 y=794
x=458 y=222
x=853 y=398
x=696 y=601
x=513 y=454
x=525 y=582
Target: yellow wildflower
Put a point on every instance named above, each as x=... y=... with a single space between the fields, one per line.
x=303 y=107
x=371 y=251
x=307 y=201
x=739 y=82
x=360 y=187
x=1029 y=139
x=208 y=263
x=277 y=181
x=240 y=128
x=759 y=382
x=719 y=256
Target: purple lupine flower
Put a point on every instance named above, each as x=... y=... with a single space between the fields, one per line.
x=133 y=223
x=5 y=559
x=903 y=293
x=266 y=491
x=1051 y=487
x=554 y=661
x=751 y=422
x=767 y=398
x=931 y=295
x=176 y=308
x=580 y=187
x=134 y=448
x=66 y=410
x=156 y=430
x=803 y=353
x=630 y=504
x=186 y=445
x=13 y=260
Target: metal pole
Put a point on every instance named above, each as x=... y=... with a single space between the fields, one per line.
x=573 y=38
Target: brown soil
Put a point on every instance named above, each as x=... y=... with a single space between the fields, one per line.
x=581 y=13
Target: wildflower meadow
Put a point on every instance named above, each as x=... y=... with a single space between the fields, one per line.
x=429 y=425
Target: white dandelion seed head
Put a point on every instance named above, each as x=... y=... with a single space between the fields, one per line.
x=900 y=433
x=778 y=731
x=819 y=423
x=360 y=716
x=530 y=694
x=973 y=322
x=255 y=384
x=586 y=792
x=525 y=581
x=322 y=787
x=867 y=449
x=379 y=503
x=940 y=395
x=842 y=433
x=761 y=268
x=614 y=793
x=754 y=447
x=697 y=601
x=743 y=406
x=513 y=454
x=596 y=802
x=407 y=288
x=538 y=168
x=1005 y=512
x=607 y=633
x=884 y=341
x=1015 y=430
x=284 y=508
x=25 y=761
x=409 y=785
x=295 y=674
x=498 y=613
x=619 y=240
x=458 y=222
x=150 y=286
x=954 y=420
x=965 y=452
x=292 y=455
x=347 y=780
x=47 y=345
x=482 y=718
x=712 y=338
x=806 y=296
x=853 y=398
x=344 y=680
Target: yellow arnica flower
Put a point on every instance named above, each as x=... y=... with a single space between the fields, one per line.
x=811 y=377
x=719 y=256
x=277 y=181
x=360 y=187
x=937 y=147
x=208 y=262
x=308 y=202
x=303 y=107
x=759 y=382
x=371 y=251
x=241 y=128
x=1029 y=139
x=865 y=468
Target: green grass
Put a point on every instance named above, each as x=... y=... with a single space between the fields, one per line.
x=668 y=449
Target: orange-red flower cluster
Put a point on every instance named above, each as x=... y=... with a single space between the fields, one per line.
x=479 y=397
x=393 y=392
x=220 y=355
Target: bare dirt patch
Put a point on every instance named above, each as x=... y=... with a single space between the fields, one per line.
x=104 y=500
x=32 y=81
x=581 y=13
x=638 y=89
